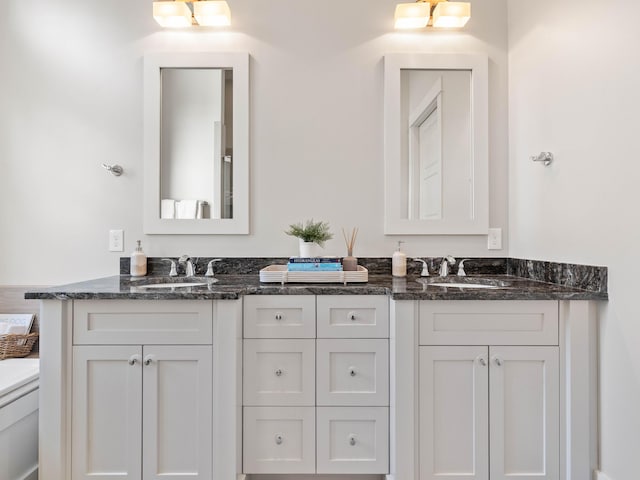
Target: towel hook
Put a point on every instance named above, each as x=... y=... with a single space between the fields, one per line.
x=115 y=170
x=546 y=157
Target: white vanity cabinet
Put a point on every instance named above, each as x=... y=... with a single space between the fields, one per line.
x=316 y=384
x=149 y=389
x=489 y=411
x=142 y=410
x=493 y=390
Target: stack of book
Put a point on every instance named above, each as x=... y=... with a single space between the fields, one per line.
x=314 y=264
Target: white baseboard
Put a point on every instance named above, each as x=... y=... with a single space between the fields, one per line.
x=601 y=476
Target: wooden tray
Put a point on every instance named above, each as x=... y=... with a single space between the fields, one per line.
x=280 y=274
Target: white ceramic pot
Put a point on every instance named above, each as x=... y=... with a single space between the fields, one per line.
x=309 y=249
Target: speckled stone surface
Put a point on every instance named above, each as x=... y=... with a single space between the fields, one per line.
x=586 y=277
x=500 y=279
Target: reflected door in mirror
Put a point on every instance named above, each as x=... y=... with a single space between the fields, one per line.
x=437 y=161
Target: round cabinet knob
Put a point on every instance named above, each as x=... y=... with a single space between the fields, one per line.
x=279 y=316
x=498 y=361
x=148 y=360
x=133 y=361
x=352 y=316
x=352 y=371
x=279 y=372
x=279 y=439
x=352 y=439
x=482 y=361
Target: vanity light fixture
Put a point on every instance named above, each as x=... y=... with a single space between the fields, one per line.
x=182 y=13
x=435 y=13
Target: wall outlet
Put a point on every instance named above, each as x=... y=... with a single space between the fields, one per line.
x=494 y=239
x=116 y=240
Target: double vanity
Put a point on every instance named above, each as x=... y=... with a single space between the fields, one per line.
x=401 y=379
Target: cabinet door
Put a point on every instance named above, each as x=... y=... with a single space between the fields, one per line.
x=107 y=415
x=524 y=411
x=177 y=412
x=454 y=411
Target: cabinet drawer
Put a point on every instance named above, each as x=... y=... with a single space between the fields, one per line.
x=353 y=440
x=353 y=372
x=279 y=316
x=279 y=372
x=134 y=322
x=353 y=316
x=279 y=440
x=489 y=322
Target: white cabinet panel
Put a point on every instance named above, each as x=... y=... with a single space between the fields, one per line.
x=177 y=414
x=353 y=316
x=524 y=413
x=107 y=412
x=279 y=440
x=353 y=372
x=279 y=372
x=449 y=322
x=126 y=322
x=454 y=413
x=353 y=440
x=279 y=316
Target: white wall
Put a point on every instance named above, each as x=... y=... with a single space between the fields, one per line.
x=71 y=99
x=574 y=77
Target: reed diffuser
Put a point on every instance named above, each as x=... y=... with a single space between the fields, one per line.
x=350 y=263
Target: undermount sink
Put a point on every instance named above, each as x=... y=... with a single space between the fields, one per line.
x=177 y=285
x=464 y=282
x=166 y=282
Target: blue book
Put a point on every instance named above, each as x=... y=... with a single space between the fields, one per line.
x=314 y=260
x=314 y=267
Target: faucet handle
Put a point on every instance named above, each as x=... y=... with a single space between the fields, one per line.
x=425 y=268
x=173 y=272
x=210 y=267
x=461 y=272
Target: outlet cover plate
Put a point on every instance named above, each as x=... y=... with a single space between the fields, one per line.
x=494 y=239
x=116 y=240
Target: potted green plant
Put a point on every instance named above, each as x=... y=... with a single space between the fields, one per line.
x=310 y=235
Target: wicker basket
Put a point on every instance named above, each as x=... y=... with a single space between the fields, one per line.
x=14 y=346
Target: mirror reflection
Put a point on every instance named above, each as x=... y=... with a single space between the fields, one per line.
x=436 y=144
x=436 y=151
x=196 y=143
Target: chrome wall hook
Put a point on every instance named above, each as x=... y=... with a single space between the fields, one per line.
x=546 y=157
x=115 y=170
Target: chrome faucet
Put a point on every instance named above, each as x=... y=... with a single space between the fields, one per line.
x=189 y=270
x=444 y=265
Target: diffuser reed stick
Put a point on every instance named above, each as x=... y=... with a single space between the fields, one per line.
x=351 y=240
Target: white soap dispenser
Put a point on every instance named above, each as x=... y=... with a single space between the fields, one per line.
x=399 y=262
x=138 y=266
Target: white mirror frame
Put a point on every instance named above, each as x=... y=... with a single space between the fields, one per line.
x=394 y=224
x=239 y=62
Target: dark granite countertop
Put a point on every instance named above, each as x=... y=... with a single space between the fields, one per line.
x=230 y=287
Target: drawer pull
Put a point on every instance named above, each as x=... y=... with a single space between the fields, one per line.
x=498 y=361
x=279 y=439
x=482 y=361
x=352 y=316
x=279 y=316
x=352 y=439
x=279 y=372
x=352 y=371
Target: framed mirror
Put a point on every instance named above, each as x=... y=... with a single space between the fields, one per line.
x=196 y=143
x=436 y=144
